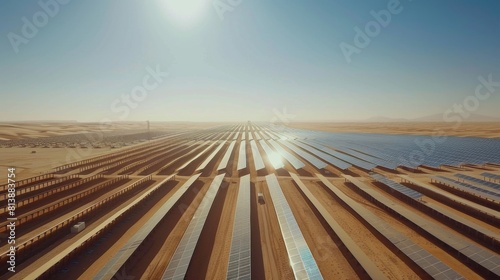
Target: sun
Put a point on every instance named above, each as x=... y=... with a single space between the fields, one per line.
x=185 y=11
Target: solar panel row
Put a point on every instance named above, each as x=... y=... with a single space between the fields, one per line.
x=397 y=238
x=305 y=155
x=242 y=158
x=211 y=156
x=467 y=187
x=395 y=186
x=406 y=150
x=491 y=175
x=239 y=266
x=352 y=160
x=197 y=156
x=452 y=196
x=368 y=265
x=257 y=136
x=257 y=159
x=223 y=163
x=433 y=266
x=301 y=259
x=179 y=263
x=41 y=267
x=273 y=157
x=324 y=156
x=295 y=162
x=482 y=257
x=480 y=182
x=472 y=225
x=264 y=134
x=110 y=269
x=364 y=156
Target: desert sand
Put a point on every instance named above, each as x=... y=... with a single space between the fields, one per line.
x=465 y=129
x=269 y=255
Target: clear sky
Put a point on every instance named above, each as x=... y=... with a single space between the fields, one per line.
x=244 y=62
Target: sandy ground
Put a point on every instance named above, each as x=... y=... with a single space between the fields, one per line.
x=22 y=130
x=465 y=129
x=30 y=164
x=121 y=236
x=325 y=249
x=275 y=257
x=168 y=238
x=221 y=246
x=34 y=161
x=390 y=264
x=68 y=239
x=409 y=232
x=269 y=256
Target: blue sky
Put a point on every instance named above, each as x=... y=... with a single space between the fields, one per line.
x=259 y=57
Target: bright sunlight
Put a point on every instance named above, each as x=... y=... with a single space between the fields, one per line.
x=185 y=12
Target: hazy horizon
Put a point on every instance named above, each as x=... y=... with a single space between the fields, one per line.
x=259 y=61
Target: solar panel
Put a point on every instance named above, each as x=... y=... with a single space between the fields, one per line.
x=109 y=270
x=181 y=259
x=210 y=157
x=395 y=186
x=257 y=136
x=488 y=260
x=257 y=159
x=273 y=157
x=364 y=156
x=406 y=150
x=368 y=265
x=467 y=187
x=197 y=156
x=305 y=155
x=295 y=162
x=438 y=208
x=264 y=135
x=239 y=265
x=349 y=159
x=350 y=149
x=301 y=259
x=491 y=175
x=479 y=182
x=242 y=158
x=433 y=266
x=227 y=155
x=324 y=156
x=452 y=196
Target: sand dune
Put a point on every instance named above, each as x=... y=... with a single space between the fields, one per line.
x=471 y=129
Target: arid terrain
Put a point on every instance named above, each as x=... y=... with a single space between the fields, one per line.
x=464 y=129
x=215 y=193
